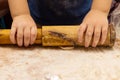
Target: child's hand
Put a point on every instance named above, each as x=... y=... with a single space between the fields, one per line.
x=95 y=25
x=23 y=31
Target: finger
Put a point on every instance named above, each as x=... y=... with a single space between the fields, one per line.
x=89 y=34
x=12 y=35
x=81 y=31
x=33 y=35
x=104 y=34
x=20 y=36
x=97 y=33
x=26 y=37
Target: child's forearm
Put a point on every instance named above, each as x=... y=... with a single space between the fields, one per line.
x=18 y=7
x=102 y=5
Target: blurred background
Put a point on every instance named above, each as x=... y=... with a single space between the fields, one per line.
x=6 y=20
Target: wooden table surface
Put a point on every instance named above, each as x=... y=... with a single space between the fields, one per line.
x=35 y=62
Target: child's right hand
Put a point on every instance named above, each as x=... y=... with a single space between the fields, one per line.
x=23 y=30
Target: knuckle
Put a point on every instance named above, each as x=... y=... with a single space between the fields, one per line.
x=97 y=36
x=33 y=34
x=97 y=32
x=23 y=24
x=80 y=31
x=27 y=33
x=104 y=36
x=82 y=24
x=81 y=28
x=103 y=39
x=19 y=37
x=27 y=37
x=105 y=31
x=14 y=25
x=20 y=34
x=79 y=35
x=88 y=34
x=11 y=38
x=12 y=33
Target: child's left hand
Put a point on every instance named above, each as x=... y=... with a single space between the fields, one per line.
x=94 y=25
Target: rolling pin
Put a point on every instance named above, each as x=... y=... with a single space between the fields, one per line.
x=5 y=36
x=60 y=36
x=67 y=36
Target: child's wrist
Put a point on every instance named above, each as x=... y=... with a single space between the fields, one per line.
x=13 y=17
x=22 y=15
x=100 y=11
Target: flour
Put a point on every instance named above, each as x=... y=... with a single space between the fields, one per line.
x=49 y=76
x=78 y=64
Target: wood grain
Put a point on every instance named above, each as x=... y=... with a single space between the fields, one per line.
x=68 y=36
x=5 y=36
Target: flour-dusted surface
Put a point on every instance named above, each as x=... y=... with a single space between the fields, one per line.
x=30 y=64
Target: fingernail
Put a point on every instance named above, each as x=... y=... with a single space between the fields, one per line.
x=20 y=45
x=26 y=45
x=86 y=45
x=31 y=43
x=102 y=42
x=14 y=42
x=80 y=41
x=93 y=45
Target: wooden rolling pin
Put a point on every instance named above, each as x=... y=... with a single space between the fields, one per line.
x=67 y=36
x=5 y=36
x=59 y=36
